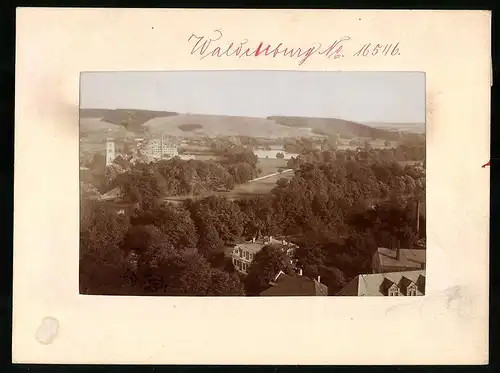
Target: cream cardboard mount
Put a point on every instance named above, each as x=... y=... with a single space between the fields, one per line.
x=53 y=323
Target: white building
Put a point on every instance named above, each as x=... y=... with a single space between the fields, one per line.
x=244 y=253
x=160 y=148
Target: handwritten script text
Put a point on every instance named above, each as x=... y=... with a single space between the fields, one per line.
x=214 y=45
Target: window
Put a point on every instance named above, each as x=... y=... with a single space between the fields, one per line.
x=247 y=255
x=241 y=253
x=412 y=291
x=243 y=267
x=393 y=292
x=251 y=256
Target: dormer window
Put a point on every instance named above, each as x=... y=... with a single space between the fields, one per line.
x=412 y=290
x=393 y=291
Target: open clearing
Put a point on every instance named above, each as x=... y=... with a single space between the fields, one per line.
x=250 y=189
x=270 y=166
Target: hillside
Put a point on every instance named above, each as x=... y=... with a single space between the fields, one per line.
x=129 y=118
x=332 y=126
x=175 y=124
x=222 y=125
x=417 y=128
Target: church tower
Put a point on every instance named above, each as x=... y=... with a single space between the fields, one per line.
x=110 y=149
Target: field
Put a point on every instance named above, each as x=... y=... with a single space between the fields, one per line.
x=270 y=166
x=251 y=189
x=258 y=187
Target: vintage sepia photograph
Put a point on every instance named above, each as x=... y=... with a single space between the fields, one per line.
x=252 y=183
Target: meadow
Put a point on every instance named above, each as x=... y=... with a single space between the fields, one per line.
x=270 y=166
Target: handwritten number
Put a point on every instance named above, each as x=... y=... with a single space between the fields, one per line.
x=376 y=49
x=366 y=52
x=395 y=50
x=358 y=53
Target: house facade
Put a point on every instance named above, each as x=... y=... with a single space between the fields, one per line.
x=158 y=149
x=244 y=253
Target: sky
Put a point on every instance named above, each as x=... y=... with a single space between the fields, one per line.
x=376 y=97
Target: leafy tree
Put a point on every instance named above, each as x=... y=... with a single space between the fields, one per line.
x=220 y=213
x=225 y=284
x=265 y=266
x=174 y=222
x=140 y=186
x=280 y=155
x=148 y=245
x=101 y=260
x=210 y=240
x=186 y=275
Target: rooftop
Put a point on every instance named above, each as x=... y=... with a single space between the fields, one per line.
x=377 y=283
x=410 y=258
x=112 y=194
x=251 y=246
x=287 y=285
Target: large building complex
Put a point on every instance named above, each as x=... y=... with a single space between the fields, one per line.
x=159 y=148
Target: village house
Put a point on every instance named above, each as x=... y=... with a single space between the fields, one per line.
x=244 y=253
x=410 y=283
x=286 y=285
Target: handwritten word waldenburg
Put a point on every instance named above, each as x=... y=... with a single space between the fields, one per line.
x=214 y=46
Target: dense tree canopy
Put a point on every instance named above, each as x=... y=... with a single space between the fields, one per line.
x=338 y=207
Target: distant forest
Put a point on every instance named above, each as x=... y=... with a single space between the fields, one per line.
x=133 y=120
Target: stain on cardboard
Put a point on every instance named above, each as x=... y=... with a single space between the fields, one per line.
x=47 y=331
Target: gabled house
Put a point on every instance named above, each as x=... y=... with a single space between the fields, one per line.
x=286 y=285
x=410 y=283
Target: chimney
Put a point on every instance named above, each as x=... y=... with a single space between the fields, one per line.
x=253 y=240
x=319 y=278
x=398 y=248
x=393 y=243
x=300 y=271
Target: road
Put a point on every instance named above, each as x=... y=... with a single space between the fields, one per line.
x=238 y=192
x=270 y=175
